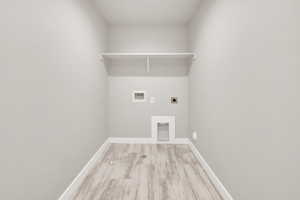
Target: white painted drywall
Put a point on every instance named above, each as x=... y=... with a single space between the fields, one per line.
x=141 y=12
x=244 y=95
x=52 y=95
x=147 y=38
x=128 y=119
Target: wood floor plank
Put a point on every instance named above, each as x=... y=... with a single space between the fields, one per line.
x=147 y=172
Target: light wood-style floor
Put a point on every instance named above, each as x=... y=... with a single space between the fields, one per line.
x=147 y=172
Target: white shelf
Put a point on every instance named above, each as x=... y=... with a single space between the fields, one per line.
x=147 y=58
x=149 y=55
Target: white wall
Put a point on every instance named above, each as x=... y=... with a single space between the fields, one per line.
x=167 y=78
x=144 y=38
x=128 y=119
x=245 y=96
x=53 y=95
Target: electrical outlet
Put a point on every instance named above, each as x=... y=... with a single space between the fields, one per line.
x=174 y=100
x=195 y=135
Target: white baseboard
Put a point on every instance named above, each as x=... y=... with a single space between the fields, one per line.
x=212 y=176
x=69 y=192
x=146 y=141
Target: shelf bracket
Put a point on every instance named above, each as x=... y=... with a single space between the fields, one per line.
x=194 y=57
x=148 y=64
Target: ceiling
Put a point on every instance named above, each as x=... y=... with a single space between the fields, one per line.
x=138 y=12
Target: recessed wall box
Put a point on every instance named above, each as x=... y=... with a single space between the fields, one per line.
x=139 y=96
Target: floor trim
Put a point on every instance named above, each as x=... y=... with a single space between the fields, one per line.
x=146 y=141
x=212 y=176
x=67 y=195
